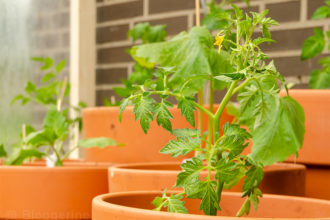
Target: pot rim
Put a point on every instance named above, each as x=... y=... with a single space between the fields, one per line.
x=100 y=202
x=129 y=167
x=69 y=165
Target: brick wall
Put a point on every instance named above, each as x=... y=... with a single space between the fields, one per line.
x=116 y=17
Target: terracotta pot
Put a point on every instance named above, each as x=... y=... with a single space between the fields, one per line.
x=34 y=191
x=316 y=104
x=280 y=178
x=137 y=206
x=139 y=147
x=315 y=153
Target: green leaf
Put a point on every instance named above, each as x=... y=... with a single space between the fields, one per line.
x=282 y=135
x=147 y=33
x=253 y=179
x=181 y=146
x=143 y=109
x=123 y=106
x=229 y=77
x=254 y=197
x=319 y=79
x=187 y=110
x=18 y=157
x=175 y=205
x=48 y=62
x=234 y=139
x=245 y=209
x=322 y=12
x=48 y=77
x=60 y=66
x=100 y=142
x=210 y=203
x=163 y=115
x=21 y=98
x=190 y=174
x=3 y=152
x=30 y=87
x=260 y=40
x=189 y=53
x=226 y=171
x=57 y=123
x=41 y=138
x=186 y=132
x=314 y=45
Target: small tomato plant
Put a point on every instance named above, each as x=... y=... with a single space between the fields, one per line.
x=313 y=46
x=48 y=142
x=186 y=63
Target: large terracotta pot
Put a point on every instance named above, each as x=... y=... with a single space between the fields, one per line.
x=315 y=153
x=280 y=178
x=34 y=191
x=139 y=147
x=137 y=206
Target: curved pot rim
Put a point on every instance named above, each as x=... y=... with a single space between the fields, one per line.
x=72 y=165
x=128 y=167
x=100 y=202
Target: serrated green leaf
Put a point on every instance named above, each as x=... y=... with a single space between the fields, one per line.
x=190 y=174
x=175 y=205
x=314 y=45
x=3 y=152
x=254 y=197
x=187 y=110
x=253 y=178
x=181 y=146
x=163 y=115
x=234 y=139
x=210 y=203
x=143 y=110
x=265 y=31
x=158 y=203
x=226 y=171
x=286 y=128
x=100 y=142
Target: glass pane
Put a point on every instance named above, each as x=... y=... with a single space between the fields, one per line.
x=28 y=28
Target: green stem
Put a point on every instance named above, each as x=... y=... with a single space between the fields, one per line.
x=222 y=106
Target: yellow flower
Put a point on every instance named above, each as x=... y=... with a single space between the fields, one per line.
x=218 y=41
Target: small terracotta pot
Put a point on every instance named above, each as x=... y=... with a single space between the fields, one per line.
x=280 y=178
x=137 y=206
x=139 y=147
x=34 y=191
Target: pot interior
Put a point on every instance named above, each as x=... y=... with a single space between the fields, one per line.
x=271 y=206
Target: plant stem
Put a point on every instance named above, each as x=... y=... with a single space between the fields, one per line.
x=222 y=106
